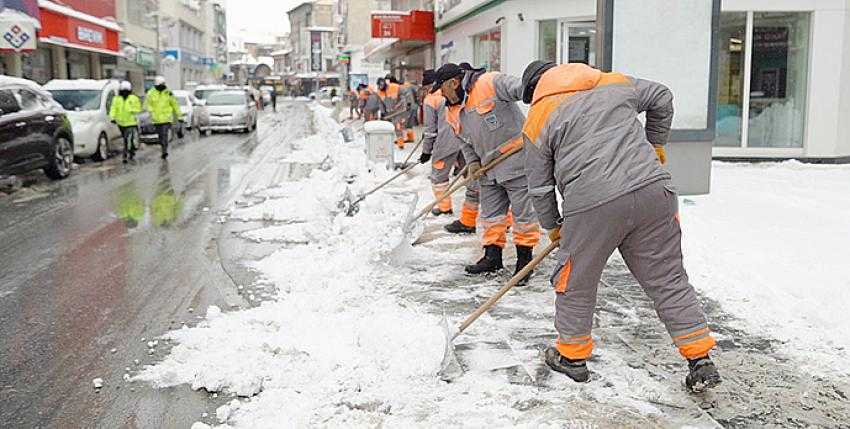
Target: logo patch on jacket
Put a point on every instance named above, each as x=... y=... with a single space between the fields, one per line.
x=492 y=121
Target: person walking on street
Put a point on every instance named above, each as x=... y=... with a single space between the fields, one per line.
x=441 y=146
x=163 y=107
x=484 y=113
x=583 y=137
x=123 y=113
x=273 y=95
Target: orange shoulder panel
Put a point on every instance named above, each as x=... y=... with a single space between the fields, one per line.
x=566 y=78
x=539 y=114
x=434 y=99
x=453 y=118
x=612 y=79
x=393 y=90
x=482 y=93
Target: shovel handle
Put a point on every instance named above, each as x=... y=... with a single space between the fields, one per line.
x=481 y=171
x=508 y=286
x=387 y=182
x=410 y=155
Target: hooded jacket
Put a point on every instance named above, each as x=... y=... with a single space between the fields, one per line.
x=438 y=137
x=123 y=110
x=585 y=138
x=162 y=105
x=490 y=123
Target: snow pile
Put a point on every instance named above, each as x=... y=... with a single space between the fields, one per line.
x=770 y=243
x=333 y=339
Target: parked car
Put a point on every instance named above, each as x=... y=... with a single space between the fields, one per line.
x=324 y=93
x=227 y=110
x=87 y=103
x=35 y=132
x=187 y=103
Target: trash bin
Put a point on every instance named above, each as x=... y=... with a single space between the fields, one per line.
x=380 y=142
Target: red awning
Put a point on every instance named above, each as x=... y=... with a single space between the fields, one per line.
x=78 y=32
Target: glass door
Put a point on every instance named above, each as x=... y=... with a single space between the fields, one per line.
x=578 y=42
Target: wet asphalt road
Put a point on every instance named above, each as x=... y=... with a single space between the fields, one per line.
x=93 y=264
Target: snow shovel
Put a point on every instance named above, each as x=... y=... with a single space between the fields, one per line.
x=483 y=170
x=450 y=368
x=410 y=155
x=349 y=204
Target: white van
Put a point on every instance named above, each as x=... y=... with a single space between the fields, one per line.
x=87 y=103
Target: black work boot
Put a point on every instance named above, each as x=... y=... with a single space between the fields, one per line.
x=490 y=263
x=523 y=257
x=703 y=375
x=575 y=369
x=437 y=212
x=457 y=227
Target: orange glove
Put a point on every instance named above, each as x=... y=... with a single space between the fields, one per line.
x=660 y=153
x=555 y=235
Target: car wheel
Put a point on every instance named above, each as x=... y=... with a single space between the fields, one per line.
x=59 y=165
x=102 y=152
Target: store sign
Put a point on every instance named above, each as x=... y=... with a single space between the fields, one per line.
x=145 y=58
x=89 y=35
x=315 y=51
x=17 y=36
x=413 y=25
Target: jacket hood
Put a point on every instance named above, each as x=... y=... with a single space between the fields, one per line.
x=566 y=78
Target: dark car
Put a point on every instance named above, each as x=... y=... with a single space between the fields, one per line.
x=34 y=131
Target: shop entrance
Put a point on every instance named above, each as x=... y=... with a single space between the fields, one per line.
x=567 y=41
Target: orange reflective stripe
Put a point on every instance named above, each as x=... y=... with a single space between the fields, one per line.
x=511 y=145
x=481 y=96
x=440 y=189
x=439 y=165
x=453 y=118
x=564 y=277
x=576 y=348
x=495 y=232
x=697 y=333
x=469 y=214
x=698 y=348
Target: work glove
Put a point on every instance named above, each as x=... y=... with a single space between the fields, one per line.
x=425 y=157
x=555 y=235
x=660 y=153
x=472 y=168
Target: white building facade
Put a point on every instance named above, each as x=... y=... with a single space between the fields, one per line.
x=753 y=79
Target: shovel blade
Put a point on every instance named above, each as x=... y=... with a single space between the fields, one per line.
x=450 y=368
x=347 y=204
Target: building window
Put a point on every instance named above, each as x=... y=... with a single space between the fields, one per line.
x=763 y=76
x=564 y=41
x=487 y=49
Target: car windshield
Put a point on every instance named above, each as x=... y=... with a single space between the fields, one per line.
x=78 y=99
x=226 y=99
x=202 y=94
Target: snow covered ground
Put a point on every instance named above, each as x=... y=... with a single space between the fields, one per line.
x=352 y=337
x=770 y=243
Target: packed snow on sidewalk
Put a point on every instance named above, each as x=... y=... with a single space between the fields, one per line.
x=770 y=244
x=337 y=346
x=353 y=337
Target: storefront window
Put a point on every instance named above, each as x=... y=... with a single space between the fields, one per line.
x=547 y=49
x=730 y=87
x=779 y=79
x=38 y=65
x=763 y=78
x=78 y=65
x=487 y=48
